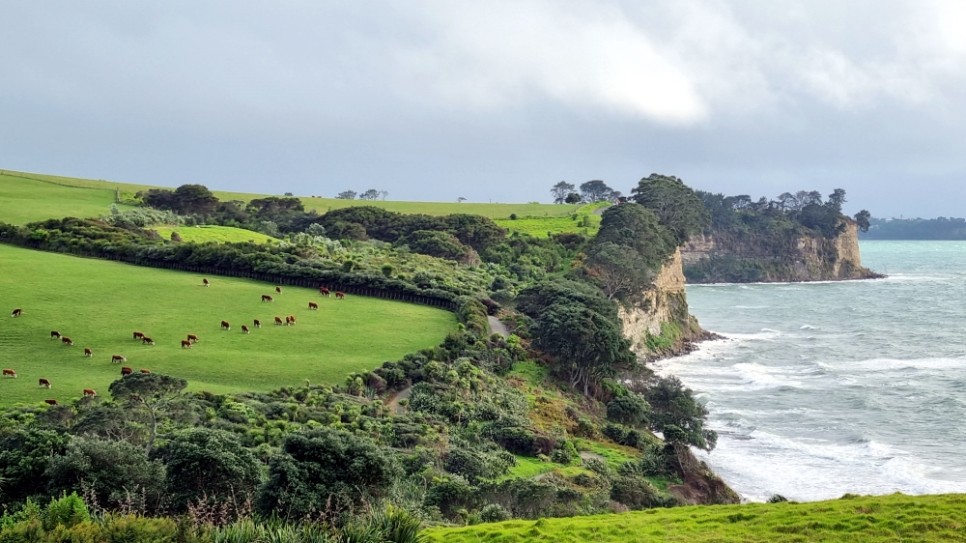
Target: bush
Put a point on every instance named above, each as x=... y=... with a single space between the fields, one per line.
x=494 y=512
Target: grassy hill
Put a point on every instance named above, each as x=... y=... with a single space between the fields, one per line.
x=99 y=304
x=220 y=234
x=870 y=519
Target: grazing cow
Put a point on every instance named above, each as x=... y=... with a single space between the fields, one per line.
x=117 y=359
x=7 y=372
x=43 y=382
x=90 y=392
x=147 y=341
x=145 y=371
x=290 y=320
x=54 y=334
x=204 y=281
x=278 y=290
x=257 y=323
x=50 y=402
x=266 y=298
x=185 y=344
x=138 y=335
x=324 y=291
x=16 y=312
x=88 y=352
x=67 y=341
x=244 y=329
x=278 y=320
x=192 y=338
x=339 y=295
x=313 y=305
x=126 y=371
x=225 y=325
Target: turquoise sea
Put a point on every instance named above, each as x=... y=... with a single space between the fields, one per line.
x=821 y=389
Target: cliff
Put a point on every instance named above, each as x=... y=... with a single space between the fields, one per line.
x=744 y=259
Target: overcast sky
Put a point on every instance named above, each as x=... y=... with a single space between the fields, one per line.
x=494 y=100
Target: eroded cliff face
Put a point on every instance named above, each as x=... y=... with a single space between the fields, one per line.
x=709 y=259
x=657 y=321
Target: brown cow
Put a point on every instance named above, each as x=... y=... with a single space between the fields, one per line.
x=204 y=281
x=90 y=392
x=16 y=312
x=290 y=320
x=339 y=295
x=117 y=358
x=225 y=325
x=278 y=290
x=185 y=344
x=147 y=341
x=43 y=382
x=66 y=340
x=278 y=320
x=266 y=298
x=50 y=401
x=88 y=352
x=192 y=338
x=7 y=372
x=313 y=305
x=324 y=291
x=138 y=335
x=54 y=334
x=244 y=329
x=145 y=371
x=257 y=323
x=126 y=371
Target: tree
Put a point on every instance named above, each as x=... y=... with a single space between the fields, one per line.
x=347 y=195
x=560 y=191
x=195 y=200
x=836 y=199
x=675 y=412
x=676 y=205
x=153 y=392
x=371 y=194
x=863 y=219
x=572 y=198
x=595 y=191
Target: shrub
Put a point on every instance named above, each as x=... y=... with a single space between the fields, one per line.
x=494 y=512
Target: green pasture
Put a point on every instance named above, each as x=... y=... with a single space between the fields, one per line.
x=221 y=234
x=99 y=304
x=869 y=519
x=35 y=198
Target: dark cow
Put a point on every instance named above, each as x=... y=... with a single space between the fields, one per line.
x=88 y=352
x=278 y=320
x=290 y=320
x=138 y=335
x=126 y=371
x=43 y=382
x=50 y=401
x=323 y=291
x=257 y=323
x=266 y=298
x=90 y=392
x=145 y=371
x=225 y=325
x=339 y=295
x=204 y=281
x=54 y=334
x=7 y=372
x=67 y=341
x=278 y=290
x=244 y=329
x=185 y=344
x=117 y=358
x=16 y=312
x=313 y=305
x=147 y=341
x=192 y=338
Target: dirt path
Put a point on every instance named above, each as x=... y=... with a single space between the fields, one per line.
x=497 y=327
x=393 y=404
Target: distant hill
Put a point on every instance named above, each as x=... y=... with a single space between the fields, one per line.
x=942 y=228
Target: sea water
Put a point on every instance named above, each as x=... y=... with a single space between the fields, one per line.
x=822 y=389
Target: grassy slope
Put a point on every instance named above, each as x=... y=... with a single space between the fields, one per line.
x=24 y=200
x=98 y=304
x=220 y=234
x=873 y=519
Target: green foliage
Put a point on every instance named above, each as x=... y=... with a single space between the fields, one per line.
x=631 y=409
x=67 y=510
x=678 y=207
x=678 y=414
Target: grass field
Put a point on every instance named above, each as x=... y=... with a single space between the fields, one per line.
x=220 y=234
x=870 y=519
x=99 y=304
x=24 y=200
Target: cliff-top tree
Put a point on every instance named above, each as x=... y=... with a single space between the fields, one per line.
x=595 y=191
x=676 y=205
x=561 y=190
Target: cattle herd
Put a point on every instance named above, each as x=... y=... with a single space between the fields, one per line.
x=186 y=343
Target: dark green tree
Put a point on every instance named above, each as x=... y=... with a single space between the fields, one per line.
x=560 y=191
x=595 y=191
x=152 y=393
x=347 y=195
x=676 y=412
x=25 y=455
x=862 y=219
x=676 y=205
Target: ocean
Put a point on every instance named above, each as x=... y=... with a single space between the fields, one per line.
x=827 y=388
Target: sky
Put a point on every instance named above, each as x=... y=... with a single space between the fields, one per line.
x=494 y=101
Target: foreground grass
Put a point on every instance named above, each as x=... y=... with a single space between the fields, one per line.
x=869 y=519
x=99 y=304
x=218 y=234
